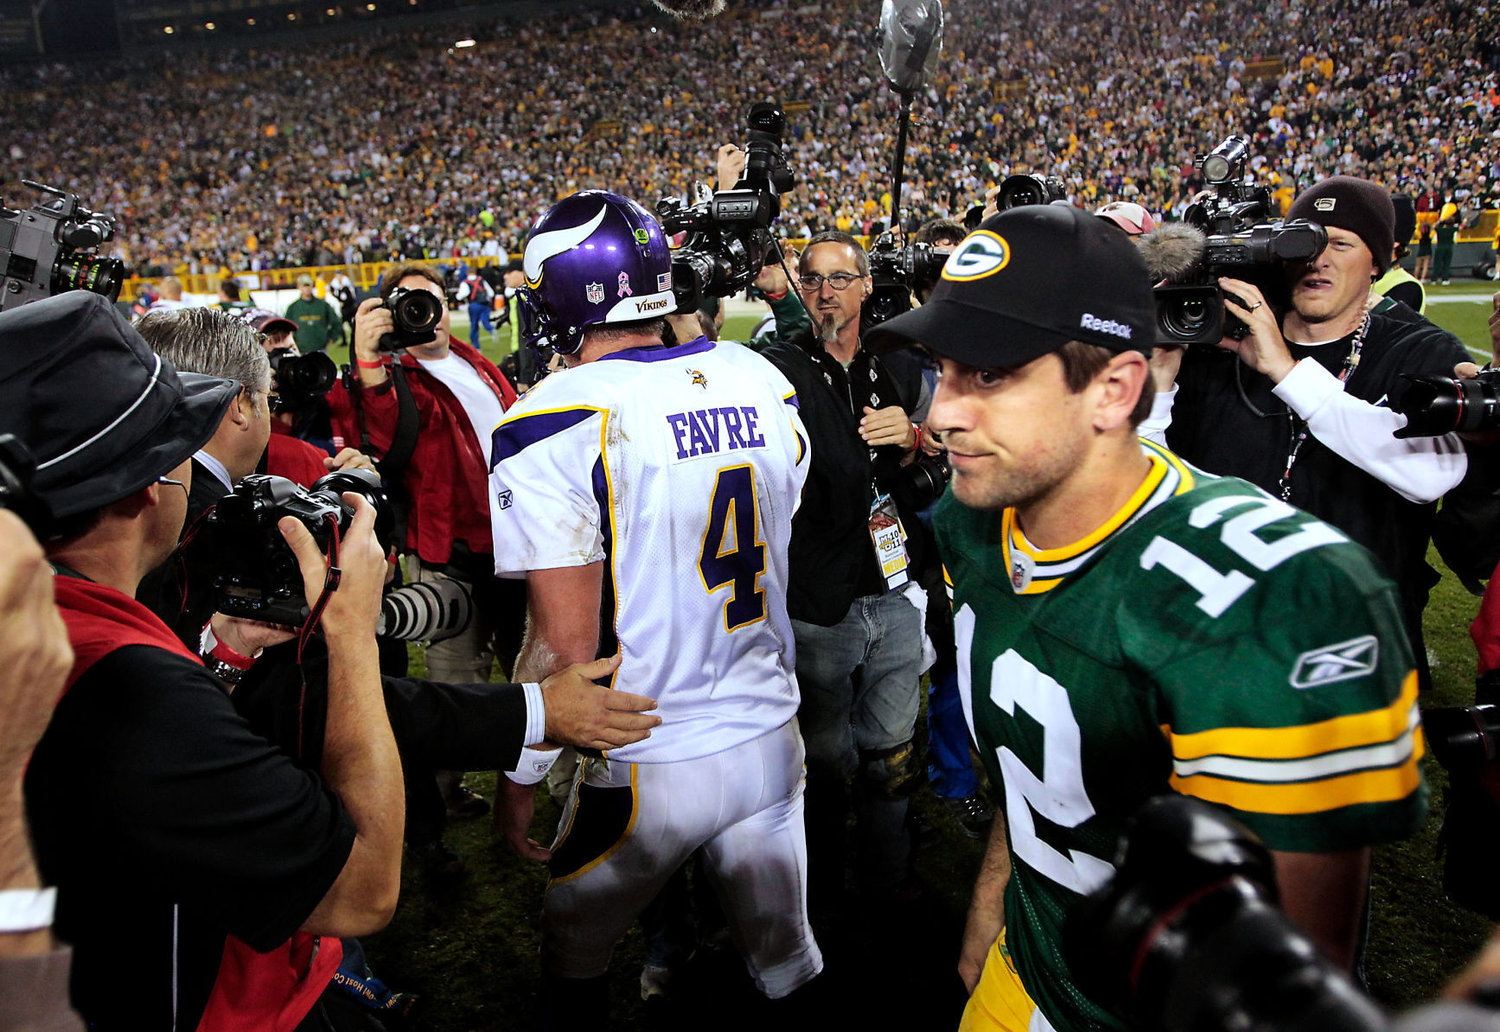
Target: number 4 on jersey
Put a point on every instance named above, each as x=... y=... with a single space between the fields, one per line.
x=732 y=550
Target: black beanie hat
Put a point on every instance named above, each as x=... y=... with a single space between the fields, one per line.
x=1358 y=205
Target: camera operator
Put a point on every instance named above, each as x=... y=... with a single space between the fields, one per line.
x=1301 y=405
x=35 y=658
x=1120 y=600
x=216 y=844
x=858 y=632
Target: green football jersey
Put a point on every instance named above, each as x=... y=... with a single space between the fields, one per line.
x=1208 y=639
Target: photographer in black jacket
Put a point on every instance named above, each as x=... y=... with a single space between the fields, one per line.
x=858 y=632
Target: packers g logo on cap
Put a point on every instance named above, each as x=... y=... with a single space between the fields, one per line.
x=982 y=254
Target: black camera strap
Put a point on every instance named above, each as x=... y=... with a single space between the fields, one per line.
x=398 y=455
x=1299 y=426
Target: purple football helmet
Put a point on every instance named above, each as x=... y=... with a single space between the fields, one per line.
x=594 y=257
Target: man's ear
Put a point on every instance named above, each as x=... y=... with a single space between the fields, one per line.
x=1120 y=383
x=239 y=411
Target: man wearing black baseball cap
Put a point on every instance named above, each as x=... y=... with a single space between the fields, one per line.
x=196 y=864
x=1304 y=405
x=1105 y=588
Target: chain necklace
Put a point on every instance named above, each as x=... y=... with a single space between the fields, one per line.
x=1299 y=426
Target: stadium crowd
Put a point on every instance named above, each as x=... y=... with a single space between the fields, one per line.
x=395 y=144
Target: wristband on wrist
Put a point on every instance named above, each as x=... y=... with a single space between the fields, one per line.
x=222 y=661
x=377 y=364
x=26 y=910
x=774 y=297
x=917 y=444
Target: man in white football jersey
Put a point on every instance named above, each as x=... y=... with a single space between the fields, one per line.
x=647 y=494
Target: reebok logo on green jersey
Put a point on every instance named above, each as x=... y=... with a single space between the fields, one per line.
x=1348 y=659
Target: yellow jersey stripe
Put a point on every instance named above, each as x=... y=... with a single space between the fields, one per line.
x=1044 y=555
x=1374 y=786
x=1171 y=459
x=1036 y=587
x=1352 y=731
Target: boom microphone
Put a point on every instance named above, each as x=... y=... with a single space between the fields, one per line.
x=1171 y=250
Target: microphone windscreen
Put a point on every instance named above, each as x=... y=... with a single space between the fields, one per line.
x=1171 y=250
x=697 y=10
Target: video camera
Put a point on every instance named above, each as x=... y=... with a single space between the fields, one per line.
x=17 y=468
x=1188 y=937
x=44 y=250
x=1435 y=405
x=1236 y=236
x=1029 y=188
x=255 y=571
x=897 y=273
x=729 y=233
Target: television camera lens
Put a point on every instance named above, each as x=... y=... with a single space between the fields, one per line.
x=1029 y=189
x=88 y=272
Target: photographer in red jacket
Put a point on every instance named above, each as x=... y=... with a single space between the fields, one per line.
x=428 y=410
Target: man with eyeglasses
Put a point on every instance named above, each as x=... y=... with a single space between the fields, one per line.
x=856 y=610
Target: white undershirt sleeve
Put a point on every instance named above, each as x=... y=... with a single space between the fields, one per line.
x=1419 y=469
x=1154 y=427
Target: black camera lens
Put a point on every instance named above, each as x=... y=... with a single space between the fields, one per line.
x=1188 y=317
x=1436 y=405
x=88 y=272
x=415 y=311
x=367 y=485
x=302 y=376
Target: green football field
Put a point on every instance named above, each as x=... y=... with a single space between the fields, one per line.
x=471 y=949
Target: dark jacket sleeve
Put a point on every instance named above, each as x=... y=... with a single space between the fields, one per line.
x=437 y=726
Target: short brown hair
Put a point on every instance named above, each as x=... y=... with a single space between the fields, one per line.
x=837 y=236
x=1082 y=362
x=396 y=273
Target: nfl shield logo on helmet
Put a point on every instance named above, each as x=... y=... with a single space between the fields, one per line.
x=595 y=292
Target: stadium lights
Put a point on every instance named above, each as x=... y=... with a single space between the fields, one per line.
x=292 y=16
x=249 y=21
x=210 y=26
x=168 y=30
x=369 y=7
x=464 y=43
x=331 y=12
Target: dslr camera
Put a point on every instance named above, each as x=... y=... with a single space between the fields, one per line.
x=416 y=314
x=46 y=250
x=1240 y=239
x=729 y=234
x=897 y=273
x=300 y=380
x=255 y=571
x=1466 y=741
x=1435 y=405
